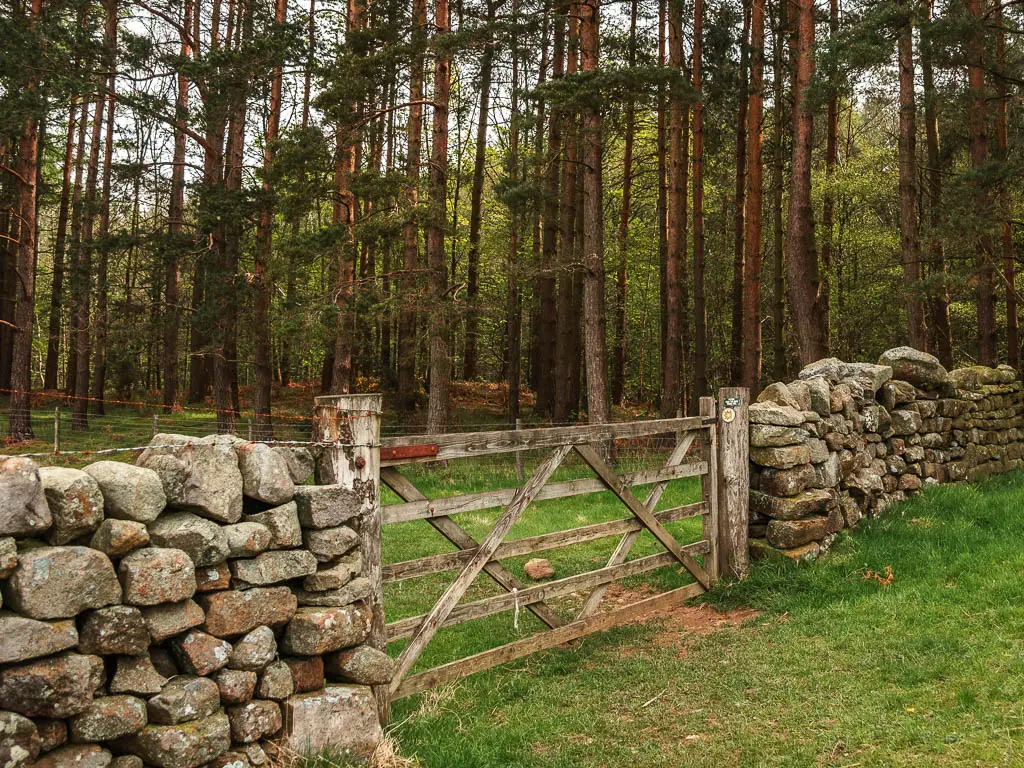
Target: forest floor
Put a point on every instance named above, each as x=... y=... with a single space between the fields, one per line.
x=902 y=647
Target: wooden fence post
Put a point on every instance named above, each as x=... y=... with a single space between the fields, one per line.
x=348 y=429
x=733 y=481
x=709 y=491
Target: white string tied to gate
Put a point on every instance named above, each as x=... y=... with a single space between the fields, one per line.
x=515 y=609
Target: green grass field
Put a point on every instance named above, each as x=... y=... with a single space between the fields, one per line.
x=841 y=666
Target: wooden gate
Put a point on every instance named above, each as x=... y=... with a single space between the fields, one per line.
x=711 y=447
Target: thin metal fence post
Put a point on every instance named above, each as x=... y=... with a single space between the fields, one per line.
x=56 y=429
x=520 y=461
x=156 y=424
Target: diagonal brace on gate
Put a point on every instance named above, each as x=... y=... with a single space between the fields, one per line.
x=625 y=545
x=458 y=536
x=446 y=604
x=643 y=513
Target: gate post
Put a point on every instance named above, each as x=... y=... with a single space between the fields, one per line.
x=347 y=428
x=733 y=481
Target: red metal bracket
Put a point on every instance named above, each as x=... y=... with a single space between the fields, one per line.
x=408 y=452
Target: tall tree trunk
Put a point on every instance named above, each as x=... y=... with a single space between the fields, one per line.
x=662 y=206
x=83 y=273
x=566 y=347
x=346 y=209
x=175 y=226
x=19 y=421
x=751 y=345
x=75 y=127
x=778 y=179
x=625 y=213
x=547 y=282
x=978 y=129
x=939 y=295
x=410 y=248
x=10 y=224
x=440 y=355
x=291 y=268
x=736 y=369
x=515 y=307
x=263 y=372
x=828 y=202
x=910 y=245
x=802 y=259
x=476 y=203
x=675 y=343
x=102 y=323
x=1006 y=192
x=700 y=314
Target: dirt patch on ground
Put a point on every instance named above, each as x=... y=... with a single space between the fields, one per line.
x=682 y=623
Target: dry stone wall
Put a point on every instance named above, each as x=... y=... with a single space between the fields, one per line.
x=201 y=607
x=845 y=440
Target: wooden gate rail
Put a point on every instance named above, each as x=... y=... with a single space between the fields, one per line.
x=465 y=444
x=719 y=527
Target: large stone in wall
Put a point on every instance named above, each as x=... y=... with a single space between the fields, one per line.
x=168 y=619
x=315 y=631
x=828 y=473
x=75 y=501
x=23 y=508
x=341 y=719
x=871 y=376
x=199 y=653
x=76 y=756
x=831 y=369
x=109 y=717
x=129 y=492
x=363 y=664
x=781 y=458
x=113 y=631
x=19 y=740
x=974 y=377
x=115 y=538
x=787 y=482
x=335 y=575
x=275 y=682
x=300 y=462
x=325 y=506
x=786 y=534
x=274 y=567
x=914 y=366
x=896 y=392
x=203 y=540
x=252 y=721
x=8 y=556
x=328 y=543
x=905 y=422
x=775 y=415
x=779 y=394
x=791 y=508
x=183 y=699
x=187 y=745
x=254 y=651
x=136 y=674
x=61 y=582
x=157 y=575
x=235 y=612
x=200 y=476
x=22 y=638
x=769 y=436
x=357 y=589
x=57 y=686
x=247 y=539
x=283 y=524
x=265 y=474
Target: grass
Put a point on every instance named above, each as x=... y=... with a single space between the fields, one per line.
x=844 y=666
